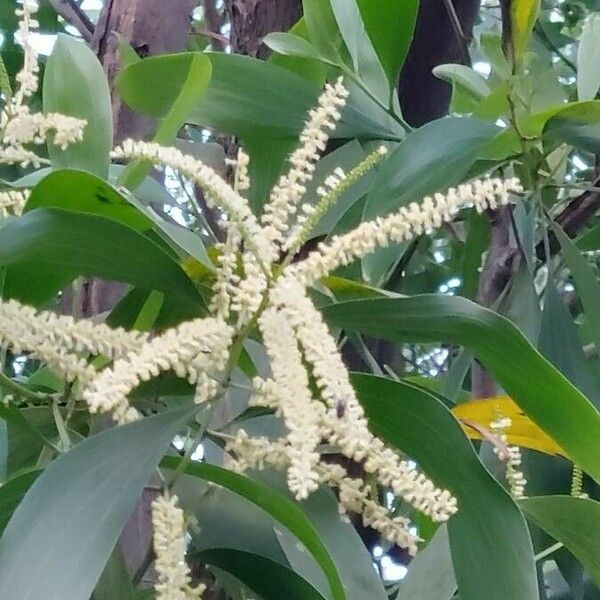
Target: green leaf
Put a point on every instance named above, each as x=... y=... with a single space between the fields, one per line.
x=322 y=29
x=491 y=550
x=390 y=25
x=289 y=44
x=352 y=558
x=430 y=574
x=434 y=157
x=75 y=85
x=561 y=410
x=86 y=193
x=465 y=77
x=364 y=58
x=577 y=124
x=588 y=59
x=12 y=492
x=89 y=245
x=198 y=70
x=267 y=578
x=114 y=583
x=587 y=286
x=573 y=521
x=277 y=505
x=74 y=512
x=560 y=344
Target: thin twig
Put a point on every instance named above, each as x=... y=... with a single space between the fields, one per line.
x=72 y=13
x=458 y=31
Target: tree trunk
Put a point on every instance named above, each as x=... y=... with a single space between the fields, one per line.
x=251 y=20
x=423 y=96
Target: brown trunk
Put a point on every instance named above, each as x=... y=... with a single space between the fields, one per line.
x=251 y=20
x=150 y=27
x=424 y=97
x=501 y=264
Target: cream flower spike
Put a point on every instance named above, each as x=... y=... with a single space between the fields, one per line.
x=192 y=350
x=12 y=202
x=403 y=225
x=219 y=194
x=61 y=341
x=20 y=127
x=313 y=140
x=301 y=414
x=173 y=574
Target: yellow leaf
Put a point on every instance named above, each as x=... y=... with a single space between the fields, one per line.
x=518 y=20
x=522 y=432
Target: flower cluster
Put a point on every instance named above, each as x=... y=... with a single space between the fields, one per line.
x=309 y=386
x=62 y=342
x=173 y=574
x=19 y=127
x=12 y=202
x=511 y=454
x=195 y=350
x=291 y=188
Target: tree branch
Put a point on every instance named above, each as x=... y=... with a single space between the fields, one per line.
x=75 y=16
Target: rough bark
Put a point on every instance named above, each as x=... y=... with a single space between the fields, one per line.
x=251 y=20
x=150 y=27
x=424 y=97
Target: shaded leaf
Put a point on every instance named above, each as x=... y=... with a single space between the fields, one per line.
x=491 y=550
x=89 y=245
x=74 y=512
x=268 y=578
x=559 y=408
x=75 y=85
x=573 y=521
x=279 y=507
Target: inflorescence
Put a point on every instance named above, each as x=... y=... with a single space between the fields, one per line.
x=309 y=386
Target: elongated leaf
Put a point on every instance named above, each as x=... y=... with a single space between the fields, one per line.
x=577 y=124
x=197 y=69
x=289 y=44
x=242 y=99
x=561 y=410
x=265 y=577
x=434 y=157
x=390 y=26
x=559 y=342
x=91 y=245
x=322 y=28
x=83 y=192
x=114 y=583
x=74 y=512
x=465 y=77
x=430 y=574
x=491 y=550
x=587 y=286
x=277 y=505
x=75 y=85
x=364 y=58
x=354 y=562
x=12 y=492
x=588 y=59
x=573 y=521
